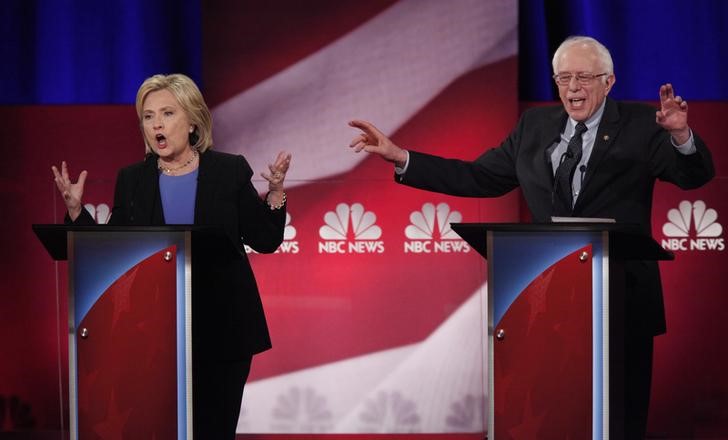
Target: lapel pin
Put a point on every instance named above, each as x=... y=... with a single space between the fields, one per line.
x=606 y=137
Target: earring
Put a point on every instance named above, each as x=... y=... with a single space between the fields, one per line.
x=192 y=129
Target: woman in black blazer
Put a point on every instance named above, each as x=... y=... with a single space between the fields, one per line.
x=182 y=181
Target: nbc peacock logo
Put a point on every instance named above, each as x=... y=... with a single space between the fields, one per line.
x=101 y=212
x=429 y=231
x=694 y=227
x=350 y=229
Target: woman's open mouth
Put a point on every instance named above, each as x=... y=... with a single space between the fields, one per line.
x=161 y=140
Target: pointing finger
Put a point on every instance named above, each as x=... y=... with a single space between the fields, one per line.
x=367 y=128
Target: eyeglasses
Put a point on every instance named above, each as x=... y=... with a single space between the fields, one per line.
x=563 y=79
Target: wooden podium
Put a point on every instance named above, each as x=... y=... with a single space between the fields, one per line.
x=556 y=326
x=130 y=325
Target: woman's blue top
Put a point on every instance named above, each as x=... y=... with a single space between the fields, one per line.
x=178 y=198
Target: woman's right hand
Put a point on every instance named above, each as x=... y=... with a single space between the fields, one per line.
x=71 y=192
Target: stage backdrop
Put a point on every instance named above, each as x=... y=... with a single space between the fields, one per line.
x=376 y=309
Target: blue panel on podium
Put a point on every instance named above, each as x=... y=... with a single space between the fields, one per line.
x=549 y=312
x=516 y=270
x=120 y=292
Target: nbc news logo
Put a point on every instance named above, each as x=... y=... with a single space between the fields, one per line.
x=429 y=231
x=686 y=218
x=335 y=231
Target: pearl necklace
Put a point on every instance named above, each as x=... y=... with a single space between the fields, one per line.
x=166 y=170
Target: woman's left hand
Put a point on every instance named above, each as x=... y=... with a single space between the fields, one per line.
x=278 y=170
x=276 y=177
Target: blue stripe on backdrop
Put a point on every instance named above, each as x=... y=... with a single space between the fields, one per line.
x=87 y=52
x=84 y=52
x=684 y=42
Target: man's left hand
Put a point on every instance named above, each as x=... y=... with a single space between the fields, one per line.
x=673 y=114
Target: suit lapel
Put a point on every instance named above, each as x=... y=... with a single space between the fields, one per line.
x=550 y=133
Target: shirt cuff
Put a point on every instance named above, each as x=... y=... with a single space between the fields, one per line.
x=688 y=147
x=399 y=171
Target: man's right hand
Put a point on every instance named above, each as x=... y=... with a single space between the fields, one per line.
x=372 y=140
x=71 y=192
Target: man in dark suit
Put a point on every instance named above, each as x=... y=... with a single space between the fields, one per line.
x=589 y=157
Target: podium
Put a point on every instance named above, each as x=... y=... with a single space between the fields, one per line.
x=556 y=325
x=130 y=325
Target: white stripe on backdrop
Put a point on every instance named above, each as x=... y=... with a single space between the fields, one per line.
x=385 y=71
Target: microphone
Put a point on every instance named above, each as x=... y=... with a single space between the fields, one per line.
x=565 y=155
x=582 y=170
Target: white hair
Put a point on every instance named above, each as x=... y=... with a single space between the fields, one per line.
x=605 y=58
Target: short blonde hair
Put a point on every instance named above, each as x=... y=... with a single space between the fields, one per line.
x=189 y=97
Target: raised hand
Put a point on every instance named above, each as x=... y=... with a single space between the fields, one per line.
x=372 y=140
x=278 y=170
x=71 y=192
x=673 y=114
x=276 y=177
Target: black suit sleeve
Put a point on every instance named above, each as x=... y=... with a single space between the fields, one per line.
x=84 y=218
x=687 y=171
x=118 y=211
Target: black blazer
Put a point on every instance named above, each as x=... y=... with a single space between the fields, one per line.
x=630 y=152
x=228 y=322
